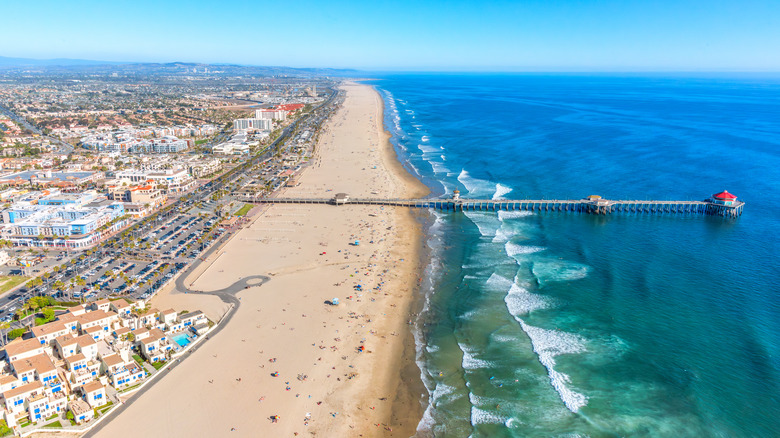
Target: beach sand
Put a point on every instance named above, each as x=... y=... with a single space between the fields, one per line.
x=325 y=386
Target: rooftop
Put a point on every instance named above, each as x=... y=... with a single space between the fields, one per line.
x=91 y=387
x=19 y=346
x=40 y=363
x=724 y=195
x=32 y=386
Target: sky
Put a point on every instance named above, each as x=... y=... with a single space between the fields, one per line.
x=414 y=35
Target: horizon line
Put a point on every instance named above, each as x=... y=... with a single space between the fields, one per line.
x=445 y=70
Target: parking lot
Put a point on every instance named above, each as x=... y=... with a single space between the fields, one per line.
x=138 y=271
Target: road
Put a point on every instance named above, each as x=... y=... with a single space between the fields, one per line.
x=64 y=148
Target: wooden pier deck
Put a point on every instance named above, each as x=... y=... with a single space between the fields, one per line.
x=588 y=206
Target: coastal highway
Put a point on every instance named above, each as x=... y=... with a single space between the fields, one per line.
x=64 y=148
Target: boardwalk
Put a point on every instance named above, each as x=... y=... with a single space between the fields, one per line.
x=588 y=206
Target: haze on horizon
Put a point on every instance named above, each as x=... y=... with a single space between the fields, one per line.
x=528 y=35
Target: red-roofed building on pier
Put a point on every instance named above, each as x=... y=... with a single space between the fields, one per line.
x=725 y=204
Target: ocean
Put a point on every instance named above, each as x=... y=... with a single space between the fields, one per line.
x=572 y=325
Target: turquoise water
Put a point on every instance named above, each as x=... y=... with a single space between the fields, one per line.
x=560 y=324
x=183 y=339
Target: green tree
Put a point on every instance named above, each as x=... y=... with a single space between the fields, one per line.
x=15 y=333
x=48 y=314
x=35 y=282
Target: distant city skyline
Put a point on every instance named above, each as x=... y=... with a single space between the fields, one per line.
x=533 y=35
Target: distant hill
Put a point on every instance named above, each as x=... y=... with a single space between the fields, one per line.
x=30 y=62
x=168 y=68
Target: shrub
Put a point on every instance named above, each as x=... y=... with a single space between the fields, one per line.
x=15 y=333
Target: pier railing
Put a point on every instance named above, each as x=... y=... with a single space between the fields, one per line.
x=588 y=206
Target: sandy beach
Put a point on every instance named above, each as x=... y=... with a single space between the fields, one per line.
x=286 y=352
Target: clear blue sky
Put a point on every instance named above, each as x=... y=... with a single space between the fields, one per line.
x=521 y=35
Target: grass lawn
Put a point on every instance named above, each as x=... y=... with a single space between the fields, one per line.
x=138 y=359
x=200 y=142
x=158 y=365
x=244 y=210
x=54 y=424
x=129 y=388
x=104 y=408
x=8 y=282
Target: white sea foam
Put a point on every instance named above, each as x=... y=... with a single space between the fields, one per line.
x=481 y=416
x=425 y=138
x=506 y=215
x=501 y=190
x=502 y=337
x=441 y=391
x=513 y=423
x=488 y=264
x=487 y=223
x=510 y=228
x=548 y=344
x=470 y=361
x=439 y=167
x=519 y=301
x=498 y=282
x=475 y=186
x=513 y=249
x=427 y=149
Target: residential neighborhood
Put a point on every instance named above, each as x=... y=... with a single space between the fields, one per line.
x=73 y=367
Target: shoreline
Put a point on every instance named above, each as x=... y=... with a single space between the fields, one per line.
x=283 y=328
x=407 y=409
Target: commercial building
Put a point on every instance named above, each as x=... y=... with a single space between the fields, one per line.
x=229 y=148
x=271 y=114
x=252 y=124
x=200 y=166
x=176 y=180
x=139 y=199
x=57 y=220
x=48 y=178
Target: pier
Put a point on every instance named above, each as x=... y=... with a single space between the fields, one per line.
x=721 y=204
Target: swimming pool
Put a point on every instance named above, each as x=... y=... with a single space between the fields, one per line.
x=183 y=339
